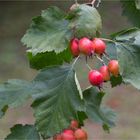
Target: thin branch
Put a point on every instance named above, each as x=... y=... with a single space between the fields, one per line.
x=99 y=1
x=102 y=61
x=75 y=61
x=109 y=40
x=106 y=56
x=92 y=2
x=88 y=66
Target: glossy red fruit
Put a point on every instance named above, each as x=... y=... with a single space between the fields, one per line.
x=86 y=46
x=68 y=135
x=113 y=67
x=57 y=137
x=74 y=47
x=105 y=72
x=99 y=45
x=95 y=78
x=74 y=124
x=80 y=134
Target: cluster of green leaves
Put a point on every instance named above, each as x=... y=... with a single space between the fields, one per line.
x=49 y=35
x=56 y=92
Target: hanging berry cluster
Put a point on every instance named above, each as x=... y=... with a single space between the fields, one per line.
x=72 y=133
x=95 y=47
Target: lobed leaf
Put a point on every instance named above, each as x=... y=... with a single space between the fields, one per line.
x=42 y=60
x=57 y=100
x=14 y=93
x=127 y=43
x=48 y=32
x=85 y=20
x=95 y=111
x=20 y=132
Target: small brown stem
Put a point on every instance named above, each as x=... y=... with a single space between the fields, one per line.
x=88 y=66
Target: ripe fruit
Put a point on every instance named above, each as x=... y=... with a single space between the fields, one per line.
x=74 y=47
x=80 y=134
x=99 y=45
x=57 y=137
x=95 y=78
x=86 y=46
x=105 y=72
x=113 y=67
x=68 y=135
x=74 y=124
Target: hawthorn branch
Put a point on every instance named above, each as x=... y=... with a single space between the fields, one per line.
x=106 y=56
x=75 y=61
x=101 y=60
x=92 y=2
x=88 y=66
x=99 y=1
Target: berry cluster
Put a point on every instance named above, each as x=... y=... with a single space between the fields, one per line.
x=95 y=47
x=72 y=133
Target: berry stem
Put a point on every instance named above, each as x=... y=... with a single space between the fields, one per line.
x=109 y=40
x=75 y=61
x=99 y=1
x=106 y=56
x=102 y=61
x=88 y=66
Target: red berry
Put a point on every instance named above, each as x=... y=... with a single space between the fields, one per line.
x=100 y=46
x=105 y=72
x=57 y=137
x=95 y=78
x=74 y=47
x=113 y=67
x=80 y=134
x=68 y=135
x=86 y=46
x=74 y=124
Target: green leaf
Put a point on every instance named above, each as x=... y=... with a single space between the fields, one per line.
x=116 y=80
x=57 y=100
x=106 y=128
x=42 y=60
x=127 y=43
x=81 y=117
x=132 y=11
x=14 y=93
x=48 y=32
x=85 y=21
x=20 y=132
x=95 y=111
x=137 y=3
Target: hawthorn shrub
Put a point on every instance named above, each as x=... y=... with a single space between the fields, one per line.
x=55 y=41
